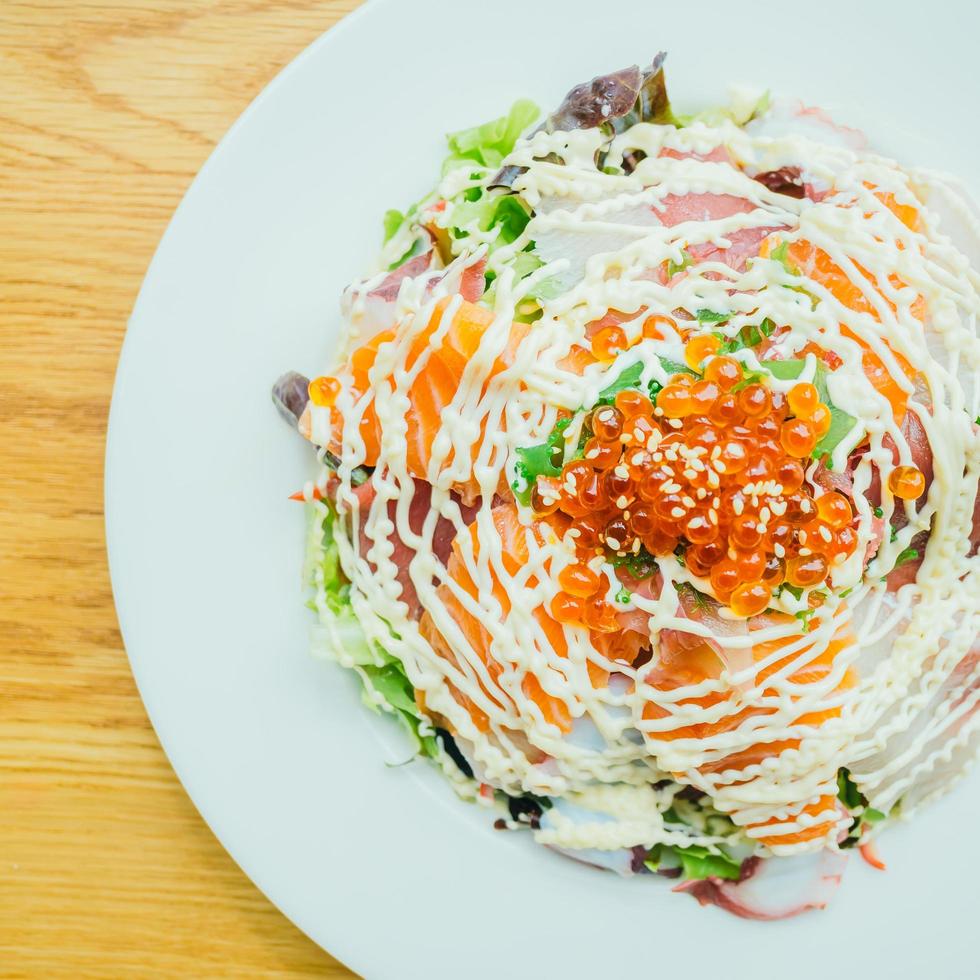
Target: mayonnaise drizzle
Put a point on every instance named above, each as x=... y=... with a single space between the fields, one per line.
x=908 y=725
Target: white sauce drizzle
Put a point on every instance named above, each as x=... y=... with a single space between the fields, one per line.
x=908 y=718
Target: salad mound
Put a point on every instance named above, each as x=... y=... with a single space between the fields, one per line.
x=647 y=486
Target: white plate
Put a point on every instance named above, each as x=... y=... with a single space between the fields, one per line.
x=382 y=865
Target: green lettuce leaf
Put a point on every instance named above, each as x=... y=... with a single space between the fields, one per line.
x=630 y=378
x=488 y=144
x=393 y=220
x=696 y=862
x=748 y=336
x=339 y=631
x=738 y=114
x=710 y=316
x=506 y=212
x=391 y=683
x=544 y=459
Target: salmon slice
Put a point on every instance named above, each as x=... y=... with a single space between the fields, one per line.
x=514 y=549
x=815 y=264
x=697 y=662
x=430 y=392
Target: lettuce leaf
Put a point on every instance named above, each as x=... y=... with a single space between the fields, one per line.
x=488 y=144
x=748 y=336
x=544 y=459
x=393 y=220
x=630 y=378
x=506 y=212
x=339 y=634
x=710 y=316
x=739 y=112
x=696 y=862
x=392 y=685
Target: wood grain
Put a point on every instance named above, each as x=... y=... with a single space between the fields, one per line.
x=107 y=110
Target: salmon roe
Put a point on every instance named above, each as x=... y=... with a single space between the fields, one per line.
x=803 y=399
x=608 y=342
x=323 y=391
x=700 y=347
x=907 y=482
x=711 y=470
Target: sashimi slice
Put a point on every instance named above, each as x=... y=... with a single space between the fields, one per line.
x=432 y=390
x=402 y=555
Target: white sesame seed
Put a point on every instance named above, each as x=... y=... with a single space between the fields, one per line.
x=713 y=480
x=805 y=552
x=716 y=452
x=778 y=507
x=762 y=528
x=636 y=546
x=613 y=542
x=674 y=423
x=622 y=472
x=732 y=554
x=626 y=515
x=622 y=501
x=574 y=532
x=764 y=515
x=700 y=493
x=677 y=512
x=592 y=454
x=658 y=457
x=658 y=411
x=779 y=551
x=690 y=475
x=697 y=465
x=636 y=459
x=825 y=534
x=805 y=505
x=687 y=501
x=738 y=505
x=802 y=537
x=713 y=516
x=670 y=487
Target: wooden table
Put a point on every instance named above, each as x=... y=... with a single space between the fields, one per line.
x=107 y=110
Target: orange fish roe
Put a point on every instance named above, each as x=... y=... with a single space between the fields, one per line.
x=803 y=399
x=712 y=474
x=608 y=342
x=323 y=391
x=700 y=347
x=907 y=482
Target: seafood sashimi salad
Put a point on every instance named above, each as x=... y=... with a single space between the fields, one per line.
x=647 y=486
